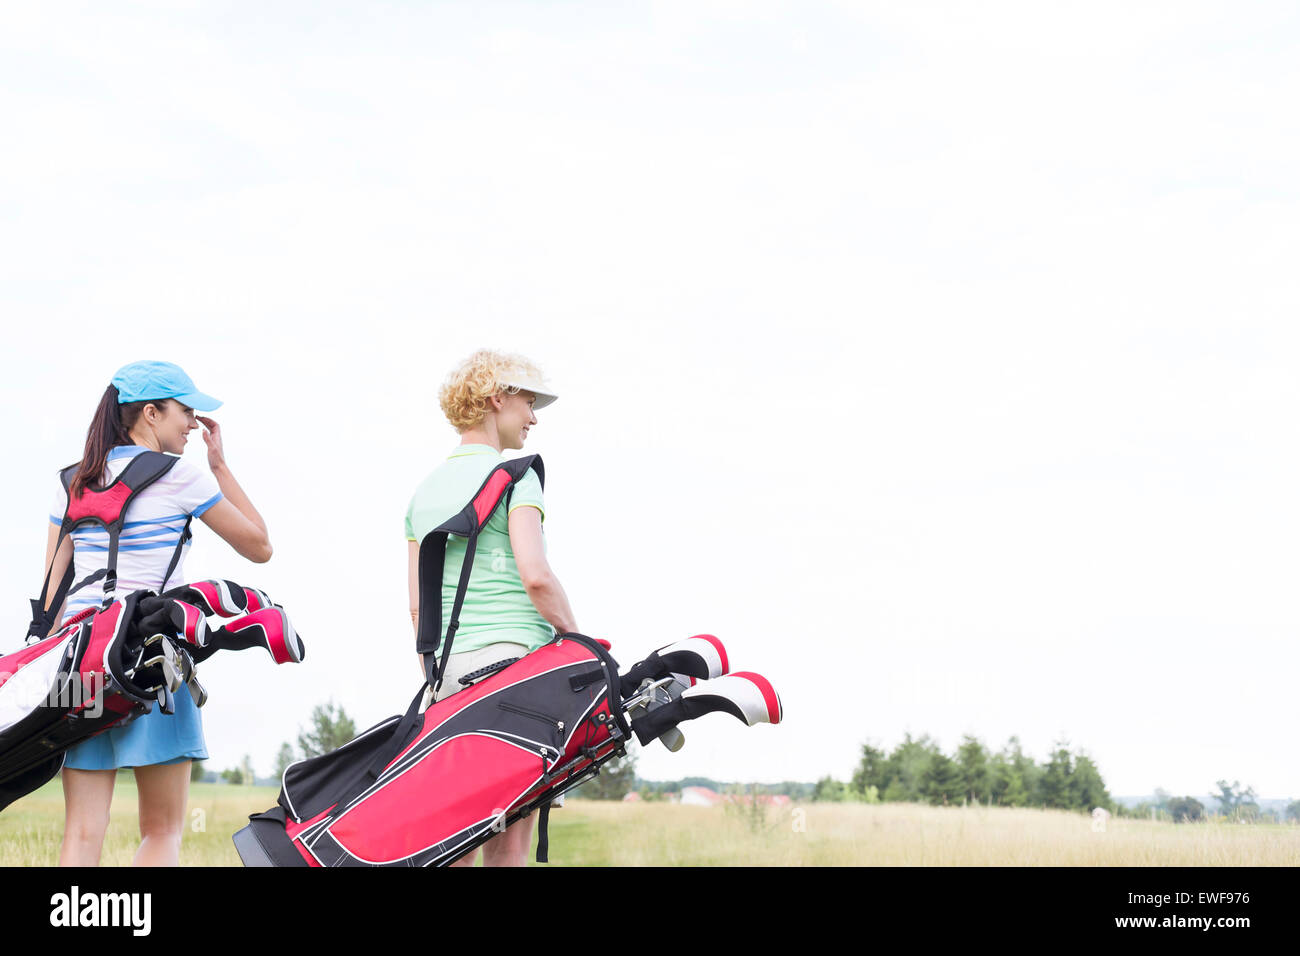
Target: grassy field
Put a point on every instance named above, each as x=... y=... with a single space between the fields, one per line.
x=590 y=833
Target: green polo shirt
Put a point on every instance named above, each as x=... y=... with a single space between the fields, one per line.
x=497 y=607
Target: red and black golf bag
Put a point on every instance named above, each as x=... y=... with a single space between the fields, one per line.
x=108 y=665
x=430 y=786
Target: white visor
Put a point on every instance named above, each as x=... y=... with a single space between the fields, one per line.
x=544 y=395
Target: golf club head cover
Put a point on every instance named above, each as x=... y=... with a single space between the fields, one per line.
x=269 y=628
x=220 y=598
x=745 y=695
x=701 y=657
x=171 y=616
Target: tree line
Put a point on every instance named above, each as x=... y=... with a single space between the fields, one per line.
x=1235 y=802
x=918 y=771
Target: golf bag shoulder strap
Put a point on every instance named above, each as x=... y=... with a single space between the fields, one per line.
x=544 y=834
x=105 y=507
x=467 y=523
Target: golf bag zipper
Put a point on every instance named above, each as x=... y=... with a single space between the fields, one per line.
x=557 y=725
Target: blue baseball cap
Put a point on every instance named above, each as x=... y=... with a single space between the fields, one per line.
x=145 y=381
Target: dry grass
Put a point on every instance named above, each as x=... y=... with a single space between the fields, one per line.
x=32 y=828
x=592 y=833
x=903 y=835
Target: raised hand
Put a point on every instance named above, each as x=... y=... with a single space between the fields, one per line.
x=212 y=438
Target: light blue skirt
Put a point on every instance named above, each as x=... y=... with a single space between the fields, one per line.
x=155 y=738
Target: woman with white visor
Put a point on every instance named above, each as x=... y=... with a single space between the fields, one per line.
x=514 y=603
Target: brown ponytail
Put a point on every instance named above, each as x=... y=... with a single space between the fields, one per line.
x=110 y=427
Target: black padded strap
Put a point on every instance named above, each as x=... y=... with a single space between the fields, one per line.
x=110 y=572
x=400 y=738
x=88 y=579
x=433 y=554
x=543 y=837
x=462 y=588
x=465 y=523
x=186 y=534
x=43 y=615
x=46 y=605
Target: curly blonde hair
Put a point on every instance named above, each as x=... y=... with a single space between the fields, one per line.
x=464 y=395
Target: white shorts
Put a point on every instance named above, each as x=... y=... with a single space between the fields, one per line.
x=459 y=665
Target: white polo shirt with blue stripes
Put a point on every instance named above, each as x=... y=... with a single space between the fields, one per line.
x=155 y=520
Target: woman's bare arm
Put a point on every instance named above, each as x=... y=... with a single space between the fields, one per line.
x=413 y=582
x=238 y=531
x=535 y=572
x=413 y=591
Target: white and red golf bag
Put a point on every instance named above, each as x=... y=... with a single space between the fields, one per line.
x=109 y=665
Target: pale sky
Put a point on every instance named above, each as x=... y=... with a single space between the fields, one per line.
x=939 y=358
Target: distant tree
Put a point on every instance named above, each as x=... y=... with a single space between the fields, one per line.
x=1185 y=809
x=1227 y=796
x=871 y=770
x=283 y=759
x=1248 y=797
x=896 y=793
x=330 y=729
x=196 y=771
x=1003 y=780
x=233 y=775
x=794 y=789
x=1236 y=803
x=1248 y=810
x=1137 y=810
x=905 y=768
x=973 y=761
x=1054 y=785
x=1087 y=789
x=744 y=804
x=1014 y=776
x=614 y=782
x=829 y=790
x=1293 y=810
x=1143 y=810
x=941 y=783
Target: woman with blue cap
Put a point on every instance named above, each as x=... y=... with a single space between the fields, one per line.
x=148 y=406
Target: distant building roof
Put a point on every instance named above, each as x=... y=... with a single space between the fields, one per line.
x=700 y=797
